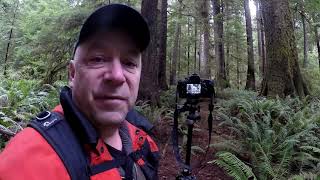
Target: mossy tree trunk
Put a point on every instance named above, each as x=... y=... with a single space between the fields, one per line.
x=283 y=76
x=149 y=84
x=205 y=36
x=217 y=8
x=163 y=45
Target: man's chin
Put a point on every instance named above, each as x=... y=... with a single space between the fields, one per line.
x=111 y=118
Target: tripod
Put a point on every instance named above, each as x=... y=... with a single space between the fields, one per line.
x=192 y=117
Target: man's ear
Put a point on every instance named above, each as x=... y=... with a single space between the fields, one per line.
x=71 y=72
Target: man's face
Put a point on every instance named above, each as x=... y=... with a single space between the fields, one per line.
x=105 y=76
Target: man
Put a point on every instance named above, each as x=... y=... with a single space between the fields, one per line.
x=93 y=132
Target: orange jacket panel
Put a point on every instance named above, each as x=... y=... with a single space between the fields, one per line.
x=29 y=156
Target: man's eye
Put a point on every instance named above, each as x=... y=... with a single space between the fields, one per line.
x=97 y=60
x=130 y=63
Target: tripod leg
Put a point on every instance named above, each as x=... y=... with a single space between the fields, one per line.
x=189 y=143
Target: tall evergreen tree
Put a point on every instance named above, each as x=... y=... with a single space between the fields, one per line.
x=250 y=83
x=283 y=76
x=217 y=7
x=149 y=84
x=163 y=45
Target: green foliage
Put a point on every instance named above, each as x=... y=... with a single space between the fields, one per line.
x=154 y=114
x=305 y=176
x=277 y=137
x=168 y=98
x=234 y=166
x=23 y=99
x=312 y=78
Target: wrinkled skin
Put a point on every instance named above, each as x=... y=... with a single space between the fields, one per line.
x=104 y=77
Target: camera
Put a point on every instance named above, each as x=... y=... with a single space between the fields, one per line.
x=194 y=87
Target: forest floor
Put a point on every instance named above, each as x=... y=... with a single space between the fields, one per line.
x=169 y=168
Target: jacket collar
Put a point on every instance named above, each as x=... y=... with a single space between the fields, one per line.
x=81 y=126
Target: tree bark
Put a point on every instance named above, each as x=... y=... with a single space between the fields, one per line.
x=179 y=54
x=163 y=45
x=259 y=38
x=204 y=51
x=195 y=44
x=188 y=48
x=219 y=47
x=316 y=34
x=175 y=54
x=250 y=84
x=283 y=76
x=317 y=42
x=175 y=48
x=149 y=85
x=305 y=43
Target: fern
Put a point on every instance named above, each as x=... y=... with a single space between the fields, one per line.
x=306 y=176
x=280 y=135
x=233 y=166
x=311 y=148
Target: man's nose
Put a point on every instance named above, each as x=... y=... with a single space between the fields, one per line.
x=115 y=73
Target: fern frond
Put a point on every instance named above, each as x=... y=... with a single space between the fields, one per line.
x=305 y=176
x=233 y=166
x=311 y=148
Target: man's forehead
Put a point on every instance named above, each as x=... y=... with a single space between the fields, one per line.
x=118 y=40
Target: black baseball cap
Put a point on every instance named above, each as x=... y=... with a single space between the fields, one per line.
x=116 y=17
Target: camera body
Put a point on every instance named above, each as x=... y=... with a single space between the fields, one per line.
x=194 y=87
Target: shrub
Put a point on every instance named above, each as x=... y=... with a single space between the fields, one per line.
x=276 y=137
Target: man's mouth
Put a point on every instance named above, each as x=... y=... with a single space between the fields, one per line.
x=109 y=99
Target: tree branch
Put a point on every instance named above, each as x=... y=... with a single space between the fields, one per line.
x=6 y=131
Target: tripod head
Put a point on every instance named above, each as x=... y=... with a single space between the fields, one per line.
x=191 y=106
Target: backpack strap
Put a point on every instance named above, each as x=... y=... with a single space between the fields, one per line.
x=59 y=135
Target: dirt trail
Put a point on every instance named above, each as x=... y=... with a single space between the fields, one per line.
x=200 y=168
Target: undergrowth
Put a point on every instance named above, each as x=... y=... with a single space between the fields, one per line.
x=20 y=100
x=276 y=138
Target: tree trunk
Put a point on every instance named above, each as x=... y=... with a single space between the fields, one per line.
x=218 y=40
x=228 y=59
x=250 y=84
x=7 y=53
x=202 y=60
x=317 y=42
x=316 y=35
x=259 y=38
x=175 y=48
x=238 y=66
x=179 y=54
x=163 y=45
x=188 y=48
x=9 y=40
x=195 y=44
x=149 y=85
x=205 y=63
x=305 y=43
x=263 y=47
x=283 y=76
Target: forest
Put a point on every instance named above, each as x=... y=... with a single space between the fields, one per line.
x=262 y=55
